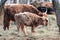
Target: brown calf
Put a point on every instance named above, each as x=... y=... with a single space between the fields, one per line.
x=29 y=19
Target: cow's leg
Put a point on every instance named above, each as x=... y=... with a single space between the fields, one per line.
x=33 y=29
x=6 y=23
x=18 y=28
x=24 y=29
x=34 y=33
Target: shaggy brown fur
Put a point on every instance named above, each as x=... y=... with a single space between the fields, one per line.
x=11 y=10
x=29 y=19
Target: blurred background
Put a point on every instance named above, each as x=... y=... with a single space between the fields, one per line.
x=33 y=2
x=51 y=31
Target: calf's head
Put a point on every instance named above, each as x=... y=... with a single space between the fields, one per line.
x=43 y=21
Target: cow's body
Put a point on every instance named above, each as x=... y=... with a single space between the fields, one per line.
x=29 y=19
x=11 y=10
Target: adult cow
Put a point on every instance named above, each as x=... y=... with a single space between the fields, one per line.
x=29 y=19
x=11 y=10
